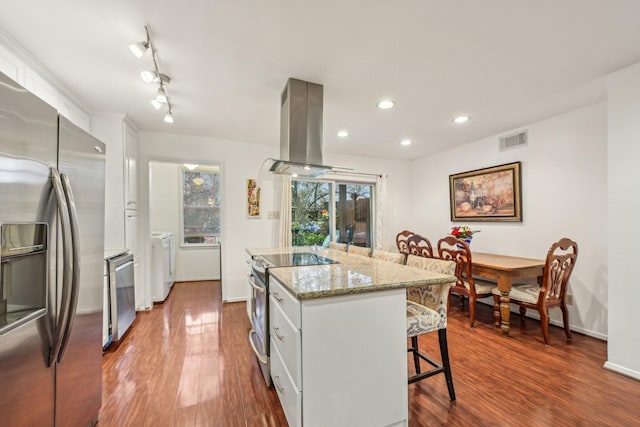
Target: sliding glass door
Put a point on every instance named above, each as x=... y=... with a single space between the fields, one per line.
x=322 y=211
x=353 y=214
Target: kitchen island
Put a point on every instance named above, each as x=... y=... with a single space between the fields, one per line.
x=338 y=338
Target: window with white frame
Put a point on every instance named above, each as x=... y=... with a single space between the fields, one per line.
x=201 y=187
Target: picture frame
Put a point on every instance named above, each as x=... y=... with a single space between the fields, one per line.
x=253 y=199
x=488 y=194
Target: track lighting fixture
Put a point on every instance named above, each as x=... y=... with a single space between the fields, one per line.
x=154 y=76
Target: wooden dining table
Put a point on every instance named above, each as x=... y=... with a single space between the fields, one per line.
x=504 y=270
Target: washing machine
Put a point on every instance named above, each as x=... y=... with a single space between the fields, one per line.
x=163 y=264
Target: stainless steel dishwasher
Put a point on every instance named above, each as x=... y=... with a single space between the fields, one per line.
x=121 y=294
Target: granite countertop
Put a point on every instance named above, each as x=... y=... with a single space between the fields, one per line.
x=352 y=275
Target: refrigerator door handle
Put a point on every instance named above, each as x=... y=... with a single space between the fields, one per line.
x=75 y=253
x=65 y=223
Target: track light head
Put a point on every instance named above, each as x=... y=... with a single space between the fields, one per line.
x=156 y=104
x=161 y=95
x=154 y=77
x=148 y=76
x=139 y=49
x=168 y=118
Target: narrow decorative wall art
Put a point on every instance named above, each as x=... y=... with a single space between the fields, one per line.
x=253 y=199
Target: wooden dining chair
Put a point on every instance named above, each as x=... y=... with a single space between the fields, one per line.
x=561 y=258
x=338 y=246
x=359 y=250
x=427 y=312
x=457 y=250
x=402 y=241
x=396 y=258
x=420 y=246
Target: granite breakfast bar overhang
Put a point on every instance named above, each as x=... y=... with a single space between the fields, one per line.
x=338 y=338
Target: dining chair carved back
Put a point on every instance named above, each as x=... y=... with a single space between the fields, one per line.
x=427 y=312
x=402 y=241
x=559 y=263
x=420 y=246
x=457 y=250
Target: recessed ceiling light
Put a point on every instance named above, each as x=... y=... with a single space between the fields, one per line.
x=385 y=104
x=461 y=119
x=405 y=142
x=343 y=134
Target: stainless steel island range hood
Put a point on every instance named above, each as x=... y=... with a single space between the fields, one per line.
x=301 y=131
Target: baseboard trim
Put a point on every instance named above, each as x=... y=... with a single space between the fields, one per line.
x=622 y=370
x=533 y=314
x=195 y=279
x=236 y=299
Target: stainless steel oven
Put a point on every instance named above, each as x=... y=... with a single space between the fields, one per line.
x=259 y=334
x=258 y=280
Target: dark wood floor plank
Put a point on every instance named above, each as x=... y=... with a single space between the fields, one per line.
x=187 y=362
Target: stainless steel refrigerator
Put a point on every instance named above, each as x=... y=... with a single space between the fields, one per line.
x=51 y=281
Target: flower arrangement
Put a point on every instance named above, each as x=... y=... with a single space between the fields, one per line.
x=463 y=232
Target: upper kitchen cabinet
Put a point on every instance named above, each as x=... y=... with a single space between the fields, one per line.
x=38 y=83
x=121 y=181
x=130 y=139
x=11 y=65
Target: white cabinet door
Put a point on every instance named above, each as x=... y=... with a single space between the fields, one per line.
x=131 y=232
x=130 y=168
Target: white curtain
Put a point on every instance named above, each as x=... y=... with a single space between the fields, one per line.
x=284 y=236
x=382 y=224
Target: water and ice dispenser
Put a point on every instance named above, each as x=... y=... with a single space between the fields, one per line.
x=23 y=277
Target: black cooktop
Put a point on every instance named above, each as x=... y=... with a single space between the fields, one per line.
x=296 y=259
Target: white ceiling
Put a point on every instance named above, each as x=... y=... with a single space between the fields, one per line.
x=506 y=63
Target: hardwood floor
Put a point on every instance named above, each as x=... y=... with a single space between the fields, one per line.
x=187 y=362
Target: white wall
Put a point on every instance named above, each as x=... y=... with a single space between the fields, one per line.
x=624 y=205
x=195 y=263
x=564 y=194
x=241 y=161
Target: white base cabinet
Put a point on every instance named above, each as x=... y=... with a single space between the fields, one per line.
x=340 y=361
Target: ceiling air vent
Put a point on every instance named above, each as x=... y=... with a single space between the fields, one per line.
x=519 y=139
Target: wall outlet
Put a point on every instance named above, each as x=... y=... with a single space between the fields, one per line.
x=273 y=214
x=569 y=299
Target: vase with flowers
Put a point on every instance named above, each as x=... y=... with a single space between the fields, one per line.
x=463 y=232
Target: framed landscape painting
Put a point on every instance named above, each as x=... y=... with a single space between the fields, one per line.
x=489 y=194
